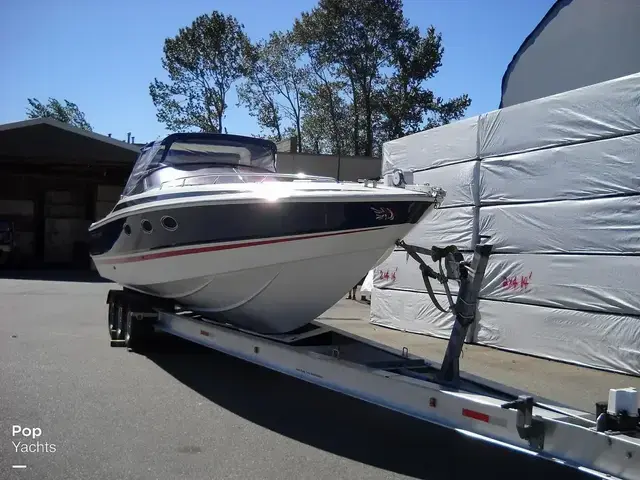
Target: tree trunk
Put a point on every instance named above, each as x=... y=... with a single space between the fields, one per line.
x=368 y=149
x=356 y=119
x=277 y=121
x=337 y=144
x=299 y=133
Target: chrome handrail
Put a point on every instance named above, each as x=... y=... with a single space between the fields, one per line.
x=291 y=177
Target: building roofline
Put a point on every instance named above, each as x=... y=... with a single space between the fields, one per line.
x=64 y=126
x=528 y=41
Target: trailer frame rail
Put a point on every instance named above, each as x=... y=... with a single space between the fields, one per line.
x=403 y=382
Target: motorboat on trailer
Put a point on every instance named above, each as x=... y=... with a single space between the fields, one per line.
x=206 y=221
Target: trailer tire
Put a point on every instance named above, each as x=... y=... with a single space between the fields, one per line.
x=138 y=333
x=118 y=315
x=111 y=321
x=121 y=320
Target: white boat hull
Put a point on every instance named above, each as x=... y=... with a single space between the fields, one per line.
x=274 y=287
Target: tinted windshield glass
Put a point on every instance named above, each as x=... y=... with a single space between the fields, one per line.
x=227 y=153
x=185 y=154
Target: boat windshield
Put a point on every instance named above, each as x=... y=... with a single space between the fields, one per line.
x=193 y=152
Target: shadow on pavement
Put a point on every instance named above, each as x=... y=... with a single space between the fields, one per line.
x=342 y=425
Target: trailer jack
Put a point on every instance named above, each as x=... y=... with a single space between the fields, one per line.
x=529 y=428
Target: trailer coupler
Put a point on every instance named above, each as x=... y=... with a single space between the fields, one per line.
x=529 y=428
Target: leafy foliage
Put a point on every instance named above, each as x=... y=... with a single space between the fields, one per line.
x=274 y=84
x=326 y=121
x=406 y=106
x=349 y=76
x=384 y=63
x=358 y=37
x=68 y=113
x=202 y=62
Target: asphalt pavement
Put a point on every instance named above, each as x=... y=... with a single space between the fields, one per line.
x=185 y=412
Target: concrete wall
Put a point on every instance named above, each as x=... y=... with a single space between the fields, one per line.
x=344 y=168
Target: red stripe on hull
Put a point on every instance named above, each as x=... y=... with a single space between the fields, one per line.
x=215 y=248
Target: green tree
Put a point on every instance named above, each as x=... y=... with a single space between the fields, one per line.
x=274 y=85
x=202 y=61
x=259 y=96
x=67 y=112
x=384 y=63
x=326 y=121
x=405 y=105
x=358 y=37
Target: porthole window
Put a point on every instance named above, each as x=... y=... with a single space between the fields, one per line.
x=146 y=226
x=169 y=223
x=126 y=229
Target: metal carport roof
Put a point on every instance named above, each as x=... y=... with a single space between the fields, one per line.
x=46 y=139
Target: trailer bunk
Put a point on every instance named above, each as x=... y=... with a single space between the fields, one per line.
x=606 y=444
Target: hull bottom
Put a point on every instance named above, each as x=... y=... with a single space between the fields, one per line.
x=271 y=299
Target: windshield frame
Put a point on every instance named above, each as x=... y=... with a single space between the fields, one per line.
x=153 y=156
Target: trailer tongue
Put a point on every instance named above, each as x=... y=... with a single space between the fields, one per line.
x=607 y=445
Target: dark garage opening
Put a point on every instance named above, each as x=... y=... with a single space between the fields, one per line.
x=57 y=180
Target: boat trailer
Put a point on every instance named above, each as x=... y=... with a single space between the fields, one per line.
x=606 y=444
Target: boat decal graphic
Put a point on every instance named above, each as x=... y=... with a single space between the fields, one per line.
x=383 y=213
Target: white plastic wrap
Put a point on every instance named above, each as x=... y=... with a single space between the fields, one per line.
x=367 y=285
x=587 y=170
x=410 y=312
x=435 y=147
x=597 y=340
x=401 y=272
x=567 y=153
x=598 y=283
x=605 y=109
x=459 y=180
x=600 y=226
x=445 y=226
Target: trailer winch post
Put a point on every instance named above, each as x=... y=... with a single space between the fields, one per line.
x=465 y=312
x=469 y=278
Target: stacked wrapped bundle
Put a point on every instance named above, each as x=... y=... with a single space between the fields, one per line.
x=560 y=197
x=445 y=157
x=558 y=192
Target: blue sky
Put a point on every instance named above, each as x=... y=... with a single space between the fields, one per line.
x=103 y=55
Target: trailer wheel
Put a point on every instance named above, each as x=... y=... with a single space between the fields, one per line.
x=121 y=320
x=138 y=332
x=112 y=321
